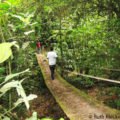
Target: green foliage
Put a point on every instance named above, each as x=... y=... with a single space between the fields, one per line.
x=25 y=19
x=4 y=7
x=2 y=70
x=86 y=35
x=81 y=82
x=5 y=50
x=19 y=88
x=48 y=9
x=8 y=77
x=34 y=117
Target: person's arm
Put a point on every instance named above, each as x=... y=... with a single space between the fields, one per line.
x=56 y=55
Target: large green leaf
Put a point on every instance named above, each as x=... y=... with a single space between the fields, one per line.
x=8 y=86
x=16 y=74
x=5 y=50
x=20 y=100
x=20 y=91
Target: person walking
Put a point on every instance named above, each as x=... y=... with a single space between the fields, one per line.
x=51 y=55
x=39 y=45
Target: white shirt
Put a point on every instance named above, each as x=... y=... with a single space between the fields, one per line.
x=52 y=57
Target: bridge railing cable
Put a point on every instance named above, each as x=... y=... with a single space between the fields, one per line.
x=96 y=78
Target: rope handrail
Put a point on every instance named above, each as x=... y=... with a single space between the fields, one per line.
x=102 y=68
x=97 y=78
x=117 y=70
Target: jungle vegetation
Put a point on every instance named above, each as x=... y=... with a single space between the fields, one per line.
x=85 y=34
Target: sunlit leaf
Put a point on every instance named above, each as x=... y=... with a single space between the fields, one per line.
x=61 y=119
x=16 y=74
x=34 y=116
x=25 y=45
x=5 y=50
x=29 y=32
x=8 y=86
x=25 y=19
x=33 y=24
x=14 y=2
x=24 y=98
x=47 y=9
x=20 y=100
x=8 y=3
x=18 y=16
x=22 y=93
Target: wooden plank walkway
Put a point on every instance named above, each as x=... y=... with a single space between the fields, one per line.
x=75 y=103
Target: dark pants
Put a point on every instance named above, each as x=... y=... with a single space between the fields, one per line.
x=52 y=69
